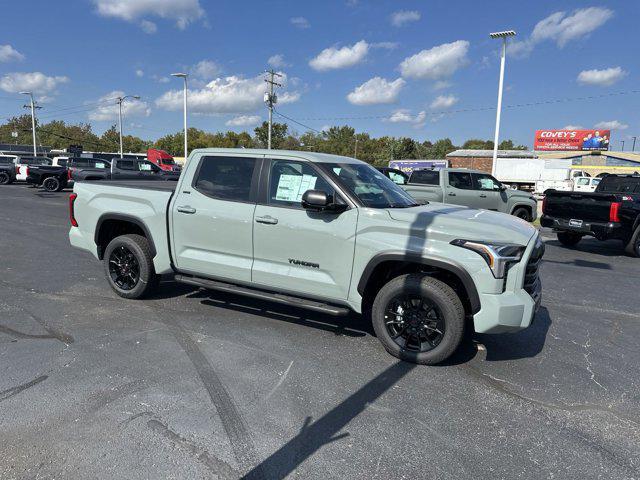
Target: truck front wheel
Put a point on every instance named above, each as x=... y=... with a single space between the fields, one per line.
x=522 y=213
x=418 y=319
x=129 y=266
x=569 y=239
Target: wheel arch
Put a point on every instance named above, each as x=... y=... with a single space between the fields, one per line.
x=112 y=225
x=521 y=205
x=384 y=266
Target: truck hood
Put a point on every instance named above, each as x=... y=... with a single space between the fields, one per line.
x=518 y=194
x=466 y=223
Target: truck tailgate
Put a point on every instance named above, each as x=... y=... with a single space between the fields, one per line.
x=590 y=207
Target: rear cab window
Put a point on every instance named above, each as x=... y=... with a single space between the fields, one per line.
x=612 y=184
x=425 y=177
x=227 y=178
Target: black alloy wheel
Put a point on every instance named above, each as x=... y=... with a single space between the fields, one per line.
x=124 y=268
x=414 y=323
x=4 y=178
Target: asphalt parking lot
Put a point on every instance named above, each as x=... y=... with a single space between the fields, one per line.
x=192 y=384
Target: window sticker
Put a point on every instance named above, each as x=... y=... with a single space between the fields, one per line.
x=486 y=183
x=292 y=187
x=144 y=167
x=100 y=165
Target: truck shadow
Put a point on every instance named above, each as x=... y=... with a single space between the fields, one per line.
x=582 y=263
x=526 y=343
x=606 y=248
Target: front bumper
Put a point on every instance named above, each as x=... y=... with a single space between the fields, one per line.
x=515 y=308
x=600 y=230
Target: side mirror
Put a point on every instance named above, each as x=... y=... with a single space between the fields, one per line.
x=319 y=201
x=502 y=188
x=315 y=200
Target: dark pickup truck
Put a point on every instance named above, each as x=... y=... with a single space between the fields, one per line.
x=53 y=178
x=7 y=169
x=611 y=212
x=120 y=169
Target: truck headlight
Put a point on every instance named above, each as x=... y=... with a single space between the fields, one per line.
x=497 y=255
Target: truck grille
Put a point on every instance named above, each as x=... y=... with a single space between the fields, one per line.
x=532 y=284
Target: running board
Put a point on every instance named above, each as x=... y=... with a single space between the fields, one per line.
x=262 y=295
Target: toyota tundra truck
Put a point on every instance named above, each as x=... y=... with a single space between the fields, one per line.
x=322 y=232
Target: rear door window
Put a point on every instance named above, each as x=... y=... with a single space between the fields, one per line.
x=125 y=165
x=226 y=178
x=425 y=177
x=460 y=180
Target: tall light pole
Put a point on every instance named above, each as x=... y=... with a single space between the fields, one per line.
x=120 y=100
x=633 y=147
x=184 y=76
x=33 y=122
x=503 y=35
x=622 y=142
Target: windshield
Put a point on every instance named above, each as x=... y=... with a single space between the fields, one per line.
x=168 y=161
x=372 y=188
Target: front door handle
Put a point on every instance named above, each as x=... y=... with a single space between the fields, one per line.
x=451 y=194
x=483 y=195
x=186 y=209
x=267 y=219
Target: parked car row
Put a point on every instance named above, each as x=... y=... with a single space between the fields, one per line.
x=59 y=173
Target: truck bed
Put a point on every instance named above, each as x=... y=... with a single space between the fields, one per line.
x=586 y=206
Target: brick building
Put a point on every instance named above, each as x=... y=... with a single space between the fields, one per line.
x=482 y=159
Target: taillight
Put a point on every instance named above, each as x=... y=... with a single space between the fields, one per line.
x=544 y=204
x=26 y=171
x=614 y=211
x=69 y=174
x=72 y=217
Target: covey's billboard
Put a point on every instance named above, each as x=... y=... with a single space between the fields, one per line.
x=572 y=140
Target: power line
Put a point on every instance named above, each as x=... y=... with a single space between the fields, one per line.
x=297 y=122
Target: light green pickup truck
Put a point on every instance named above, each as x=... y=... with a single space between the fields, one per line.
x=322 y=232
x=471 y=188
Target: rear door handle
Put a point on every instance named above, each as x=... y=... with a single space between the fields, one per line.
x=186 y=209
x=451 y=194
x=483 y=196
x=267 y=219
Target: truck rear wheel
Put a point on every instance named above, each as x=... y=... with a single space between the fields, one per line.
x=633 y=246
x=569 y=239
x=5 y=179
x=129 y=267
x=418 y=319
x=51 y=184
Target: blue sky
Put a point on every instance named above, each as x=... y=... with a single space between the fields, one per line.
x=391 y=67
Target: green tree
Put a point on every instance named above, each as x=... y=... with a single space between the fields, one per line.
x=278 y=134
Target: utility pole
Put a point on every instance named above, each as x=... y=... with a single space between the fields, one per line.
x=270 y=98
x=33 y=107
x=622 y=142
x=633 y=148
x=503 y=35
x=184 y=107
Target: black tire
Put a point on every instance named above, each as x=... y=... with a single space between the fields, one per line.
x=522 y=213
x=633 y=245
x=5 y=179
x=129 y=267
x=442 y=306
x=51 y=184
x=569 y=239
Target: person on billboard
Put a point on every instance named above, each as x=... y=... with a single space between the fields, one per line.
x=597 y=141
x=587 y=142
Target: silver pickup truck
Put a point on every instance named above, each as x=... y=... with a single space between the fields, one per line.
x=322 y=232
x=471 y=188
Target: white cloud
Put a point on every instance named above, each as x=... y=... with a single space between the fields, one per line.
x=405 y=116
x=233 y=94
x=402 y=17
x=602 y=78
x=244 y=121
x=8 y=54
x=35 y=82
x=563 y=28
x=441 y=85
x=612 y=125
x=436 y=63
x=300 y=22
x=442 y=102
x=148 y=27
x=139 y=73
x=108 y=108
x=183 y=12
x=334 y=58
x=573 y=127
x=277 y=61
x=376 y=91
x=205 y=69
